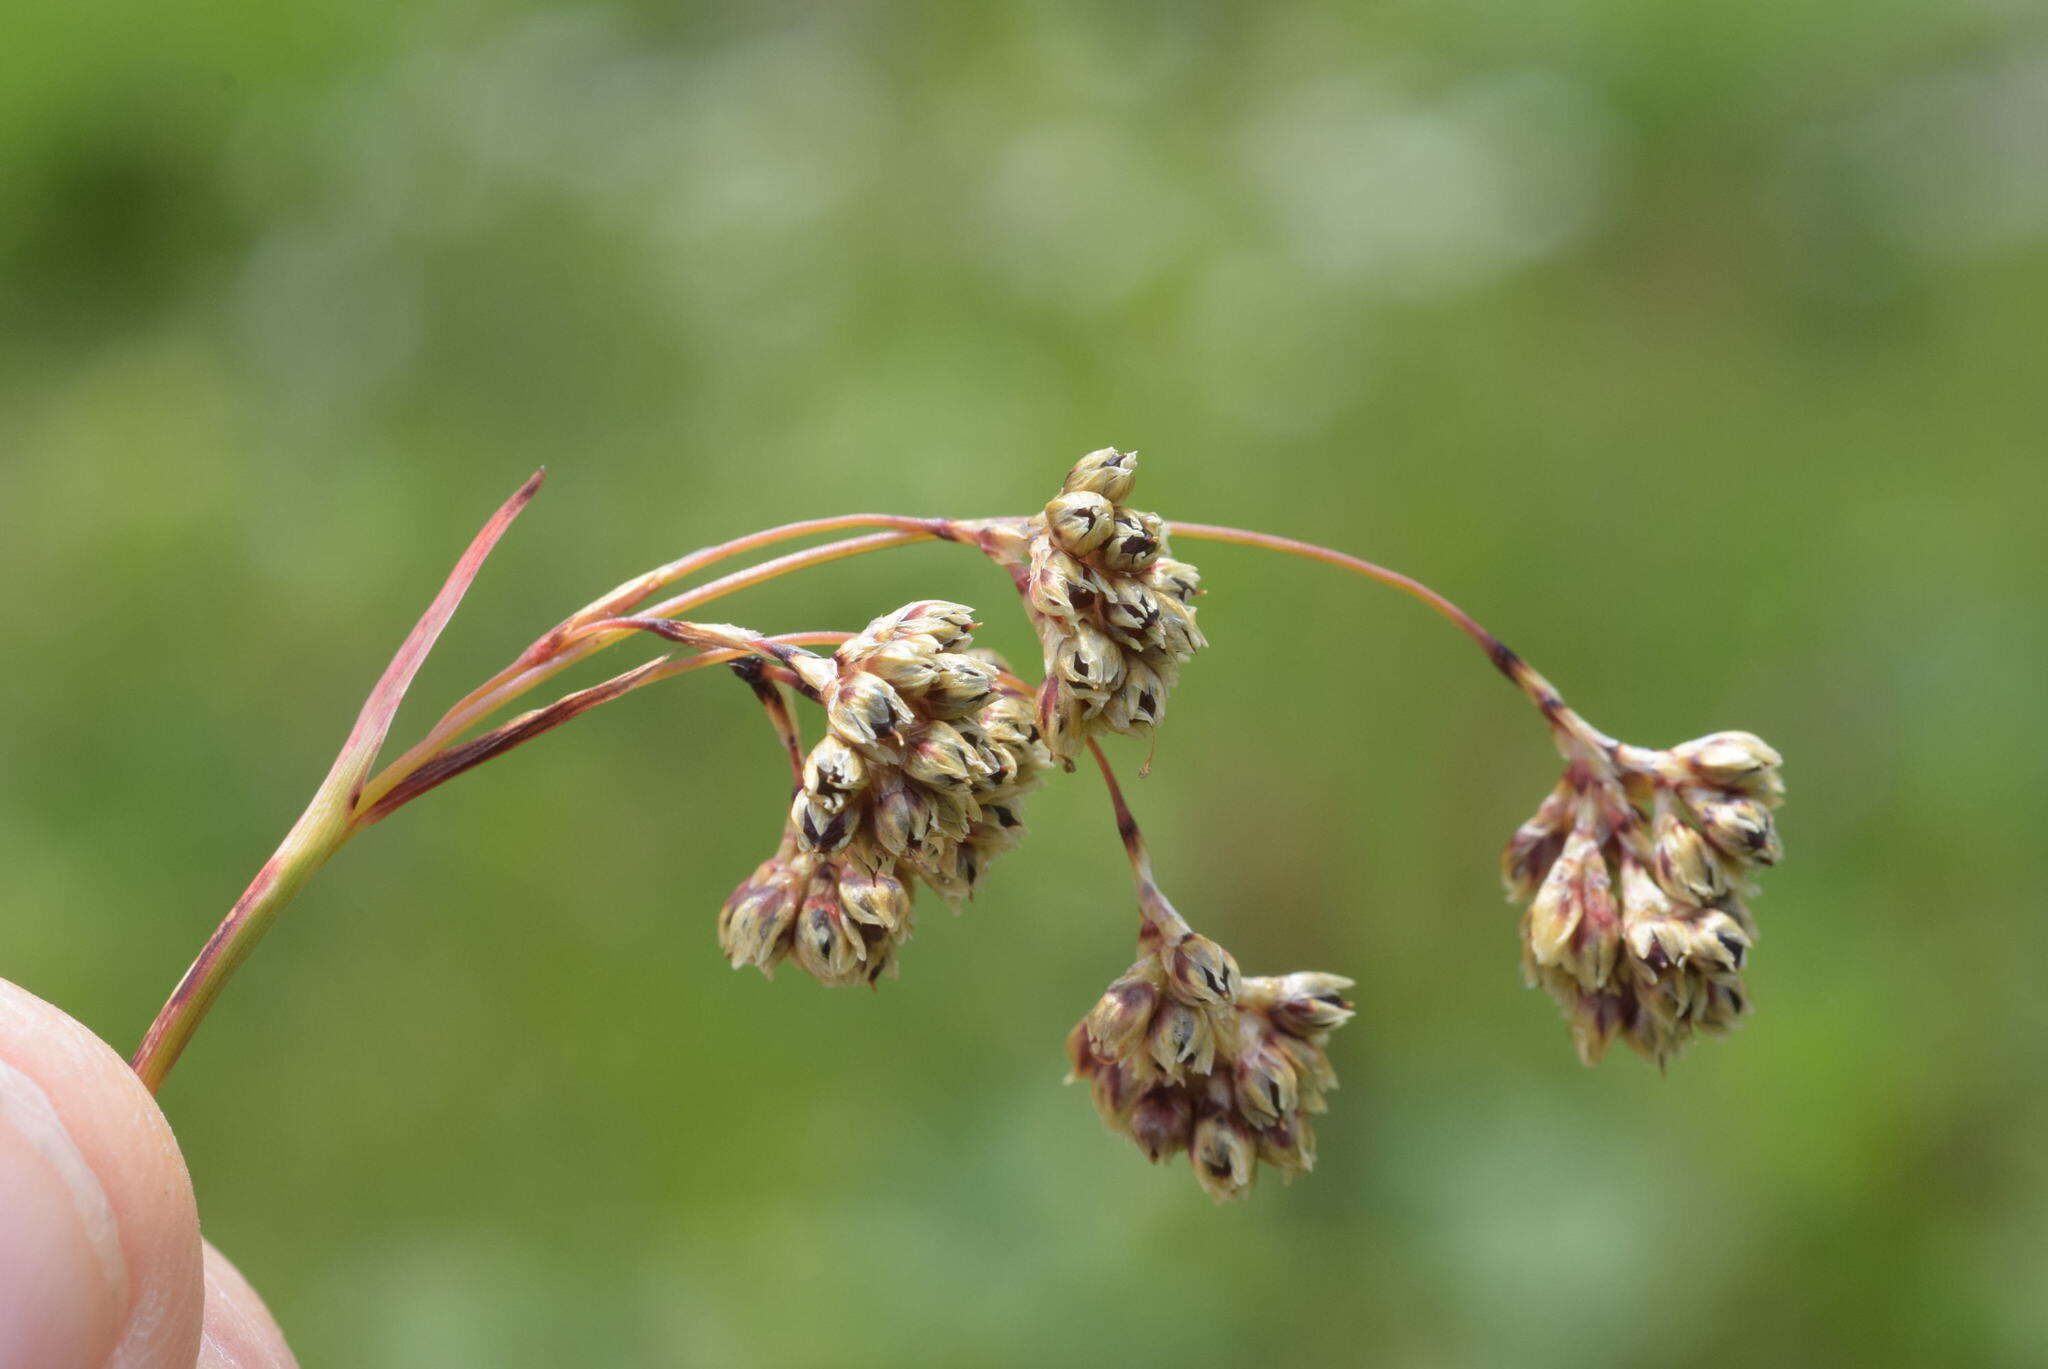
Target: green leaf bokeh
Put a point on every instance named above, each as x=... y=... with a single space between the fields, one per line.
x=1695 y=349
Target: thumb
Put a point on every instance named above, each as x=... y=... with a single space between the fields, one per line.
x=99 y=1240
x=63 y=1278
x=101 y=1265
x=239 y=1333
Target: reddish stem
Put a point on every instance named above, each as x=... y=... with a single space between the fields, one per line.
x=1524 y=676
x=754 y=671
x=324 y=825
x=581 y=634
x=1158 y=916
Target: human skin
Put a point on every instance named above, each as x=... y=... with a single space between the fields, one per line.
x=101 y=1261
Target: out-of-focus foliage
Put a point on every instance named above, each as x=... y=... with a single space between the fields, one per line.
x=1696 y=348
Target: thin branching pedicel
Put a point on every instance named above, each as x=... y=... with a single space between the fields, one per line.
x=1634 y=869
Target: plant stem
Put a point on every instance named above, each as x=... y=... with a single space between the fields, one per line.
x=335 y=815
x=325 y=825
x=319 y=833
x=580 y=635
x=345 y=803
x=640 y=586
x=1158 y=917
x=631 y=592
x=446 y=764
x=1541 y=692
x=754 y=671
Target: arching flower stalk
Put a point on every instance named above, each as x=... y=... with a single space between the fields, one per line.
x=1634 y=869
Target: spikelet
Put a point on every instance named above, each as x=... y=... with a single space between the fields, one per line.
x=1114 y=613
x=1634 y=870
x=1183 y=1054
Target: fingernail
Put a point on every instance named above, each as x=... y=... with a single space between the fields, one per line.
x=63 y=1280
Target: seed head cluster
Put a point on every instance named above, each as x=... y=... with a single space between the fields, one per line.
x=1183 y=1054
x=1114 y=612
x=926 y=756
x=1634 y=870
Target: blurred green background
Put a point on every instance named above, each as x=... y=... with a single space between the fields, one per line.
x=1697 y=349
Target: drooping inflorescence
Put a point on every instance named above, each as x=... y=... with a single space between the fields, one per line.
x=1634 y=870
x=1184 y=1055
x=1115 y=614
